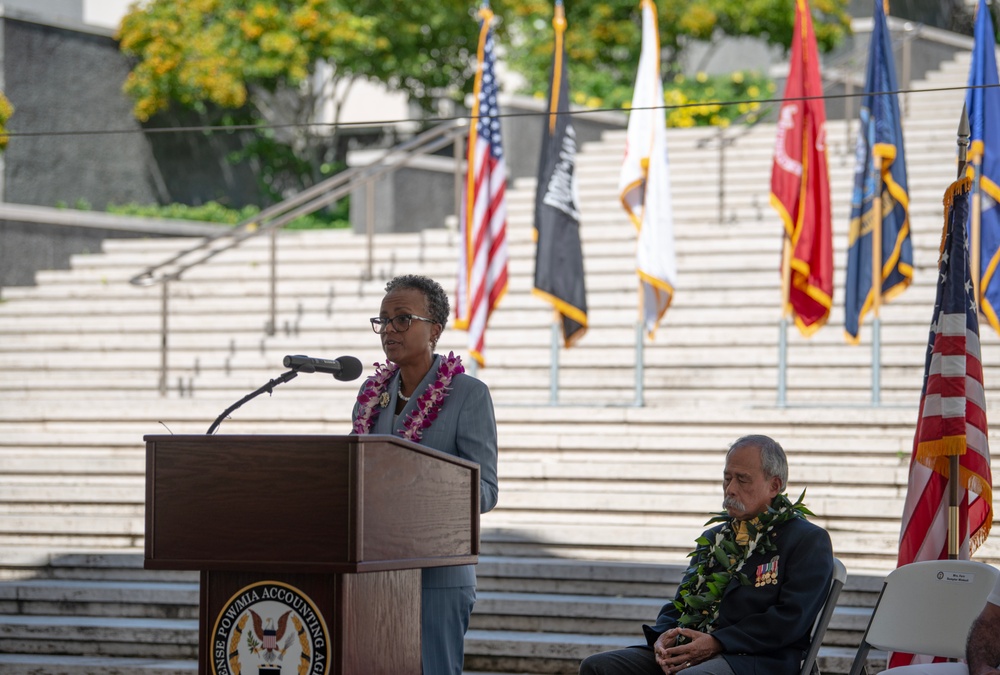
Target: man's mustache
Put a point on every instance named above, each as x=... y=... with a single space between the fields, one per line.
x=733 y=503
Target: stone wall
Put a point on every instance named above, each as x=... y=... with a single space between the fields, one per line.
x=82 y=142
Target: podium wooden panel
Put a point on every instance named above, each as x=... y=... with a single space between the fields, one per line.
x=339 y=526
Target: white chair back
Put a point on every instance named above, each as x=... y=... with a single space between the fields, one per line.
x=928 y=607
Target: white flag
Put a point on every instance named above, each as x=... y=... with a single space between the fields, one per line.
x=644 y=184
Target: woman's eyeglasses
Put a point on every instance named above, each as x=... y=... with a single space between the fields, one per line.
x=400 y=323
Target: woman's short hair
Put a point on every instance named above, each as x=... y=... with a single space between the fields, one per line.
x=437 y=300
x=772 y=455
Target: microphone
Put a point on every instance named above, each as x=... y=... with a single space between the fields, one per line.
x=345 y=368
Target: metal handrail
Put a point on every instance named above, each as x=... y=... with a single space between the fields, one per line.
x=273 y=218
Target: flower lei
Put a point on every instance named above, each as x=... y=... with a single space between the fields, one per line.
x=715 y=563
x=427 y=405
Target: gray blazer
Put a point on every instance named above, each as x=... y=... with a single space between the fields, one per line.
x=465 y=427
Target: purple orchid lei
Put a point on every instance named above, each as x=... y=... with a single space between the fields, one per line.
x=428 y=404
x=370 y=394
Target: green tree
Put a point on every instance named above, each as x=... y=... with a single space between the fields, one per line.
x=276 y=62
x=603 y=39
x=279 y=61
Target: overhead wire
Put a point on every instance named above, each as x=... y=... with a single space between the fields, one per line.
x=438 y=119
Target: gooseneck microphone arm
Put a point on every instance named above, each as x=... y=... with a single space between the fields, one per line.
x=269 y=388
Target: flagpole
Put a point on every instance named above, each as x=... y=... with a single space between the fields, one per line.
x=975 y=226
x=953 y=460
x=877 y=284
x=554 y=362
x=559 y=26
x=786 y=286
x=639 y=365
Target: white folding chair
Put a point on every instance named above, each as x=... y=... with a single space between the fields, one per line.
x=927 y=608
x=809 y=666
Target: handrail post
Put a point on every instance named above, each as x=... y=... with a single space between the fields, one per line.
x=907 y=65
x=848 y=114
x=272 y=321
x=722 y=174
x=164 y=294
x=370 y=226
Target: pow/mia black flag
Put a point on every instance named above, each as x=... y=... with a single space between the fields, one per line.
x=559 y=256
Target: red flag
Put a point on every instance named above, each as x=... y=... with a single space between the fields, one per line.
x=482 y=274
x=952 y=418
x=800 y=184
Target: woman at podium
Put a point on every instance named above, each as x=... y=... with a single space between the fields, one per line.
x=426 y=398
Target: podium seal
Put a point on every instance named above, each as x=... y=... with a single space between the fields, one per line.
x=270 y=628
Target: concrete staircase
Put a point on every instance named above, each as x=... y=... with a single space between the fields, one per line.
x=104 y=613
x=600 y=499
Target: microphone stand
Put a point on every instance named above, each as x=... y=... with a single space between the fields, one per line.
x=269 y=388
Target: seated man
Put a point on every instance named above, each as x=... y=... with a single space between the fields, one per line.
x=756 y=583
x=982 y=651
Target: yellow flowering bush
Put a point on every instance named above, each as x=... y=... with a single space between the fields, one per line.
x=714 y=100
x=6 y=110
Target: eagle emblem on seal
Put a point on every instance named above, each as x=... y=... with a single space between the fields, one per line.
x=270 y=635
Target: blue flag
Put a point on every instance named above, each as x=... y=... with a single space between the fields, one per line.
x=880 y=137
x=983 y=105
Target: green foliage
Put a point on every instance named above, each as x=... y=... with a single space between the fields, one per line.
x=80 y=204
x=6 y=110
x=603 y=39
x=213 y=212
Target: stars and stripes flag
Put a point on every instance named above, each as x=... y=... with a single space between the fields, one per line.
x=559 y=258
x=952 y=418
x=800 y=183
x=644 y=183
x=482 y=274
x=879 y=174
x=982 y=101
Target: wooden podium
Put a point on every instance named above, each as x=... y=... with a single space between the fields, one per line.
x=310 y=547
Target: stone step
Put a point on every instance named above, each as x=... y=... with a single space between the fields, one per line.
x=524 y=605
x=99 y=636
x=18 y=664
x=604 y=275
x=731 y=290
x=48 y=664
x=311 y=339
x=517 y=651
x=699 y=271
x=122 y=565
x=834 y=661
x=52 y=597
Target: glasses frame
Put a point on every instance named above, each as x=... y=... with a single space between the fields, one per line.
x=379 y=325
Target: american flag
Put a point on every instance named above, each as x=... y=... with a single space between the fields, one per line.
x=482 y=275
x=952 y=418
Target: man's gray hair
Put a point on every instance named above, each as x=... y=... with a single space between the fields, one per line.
x=772 y=456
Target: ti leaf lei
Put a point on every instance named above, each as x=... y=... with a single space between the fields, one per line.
x=715 y=563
